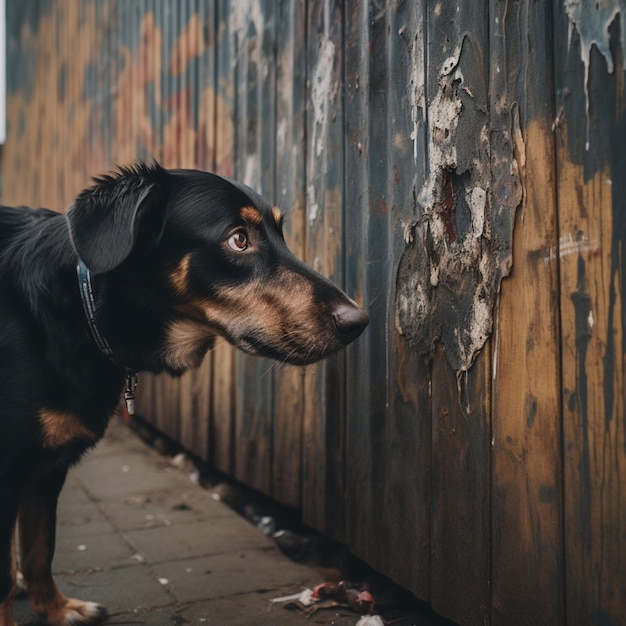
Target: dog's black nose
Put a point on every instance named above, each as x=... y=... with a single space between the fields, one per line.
x=350 y=320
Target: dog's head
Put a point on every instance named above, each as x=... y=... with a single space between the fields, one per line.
x=198 y=256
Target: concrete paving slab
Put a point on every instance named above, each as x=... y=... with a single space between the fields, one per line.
x=77 y=550
x=164 y=508
x=185 y=541
x=126 y=475
x=234 y=573
x=120 y=591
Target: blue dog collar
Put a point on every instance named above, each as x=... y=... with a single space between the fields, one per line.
x=89 y=306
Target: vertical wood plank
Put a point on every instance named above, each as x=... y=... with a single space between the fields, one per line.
x=591 y=152
x=195 y=386
x=324 y=424
x=460 y=401
x=166 y=389
x=388 y=440
x=222 y=122
x=254 y=165
x=460 y=488
x=288 y=403
x=146 y=402
x=526 y=452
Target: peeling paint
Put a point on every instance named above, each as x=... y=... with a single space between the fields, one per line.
x=449 y=275
x=243 y=15
x=592 y=21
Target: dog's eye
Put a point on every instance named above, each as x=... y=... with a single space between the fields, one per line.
x=238 y=241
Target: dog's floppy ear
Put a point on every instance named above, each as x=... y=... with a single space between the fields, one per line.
x=106 y=219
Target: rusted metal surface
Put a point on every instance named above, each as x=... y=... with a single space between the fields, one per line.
x=459 y=169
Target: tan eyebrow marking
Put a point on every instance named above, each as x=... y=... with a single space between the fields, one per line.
x=277 y=215
x=251 y=215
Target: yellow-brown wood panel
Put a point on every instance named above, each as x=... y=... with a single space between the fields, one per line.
x=591 y=152
x=593 y=367
x=526 y=517
x=526 y=443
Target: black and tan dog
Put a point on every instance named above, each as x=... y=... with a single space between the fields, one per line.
x=146 y=268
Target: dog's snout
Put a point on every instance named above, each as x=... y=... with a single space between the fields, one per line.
x=350 y=320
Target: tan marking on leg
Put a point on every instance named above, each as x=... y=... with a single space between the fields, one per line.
x=6 y=607
x=46 y=599
x=60 y=428
x=6 y=612
x=179 y=278
x=251 y=215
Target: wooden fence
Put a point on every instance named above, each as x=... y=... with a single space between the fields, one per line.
x=460 y=168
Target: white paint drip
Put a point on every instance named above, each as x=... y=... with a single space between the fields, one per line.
x=312 y=203
x=281 y=135
x=323 y=92
x=592 y=21
x=250 y=175
x=416 y=89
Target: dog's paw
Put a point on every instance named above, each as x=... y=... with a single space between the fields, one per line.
x=74 y=612
x=20 y=585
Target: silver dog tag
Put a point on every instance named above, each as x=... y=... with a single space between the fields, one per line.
x=129 y=394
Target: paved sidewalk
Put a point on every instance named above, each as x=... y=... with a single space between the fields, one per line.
x=136 y=535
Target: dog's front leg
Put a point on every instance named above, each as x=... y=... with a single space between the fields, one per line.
x=9 y=498
x=8 y=587
x=37 y=524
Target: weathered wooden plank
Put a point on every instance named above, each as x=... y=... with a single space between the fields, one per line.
x=527 y=573
x=166 y=389
x=222 y=121
x=324 y=424
x=458 y=178
x=388 y=442
x=460 y=491
x=194 y=386
x=202 y=103
x=148 y=393
x=195 y=394
x=288 y=404
x=591 y=152
x=255 y=153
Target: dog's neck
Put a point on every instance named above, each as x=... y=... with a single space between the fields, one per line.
x=89 y=306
